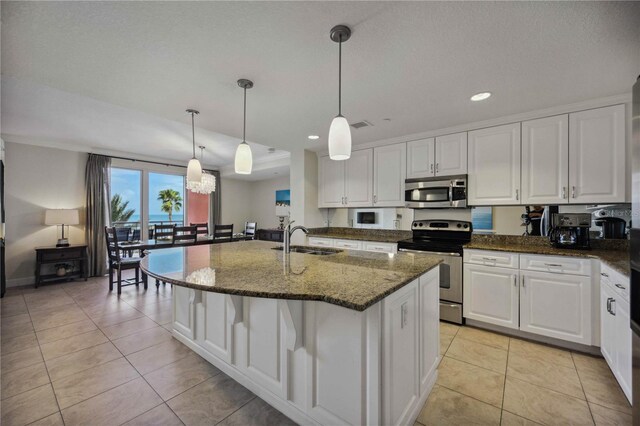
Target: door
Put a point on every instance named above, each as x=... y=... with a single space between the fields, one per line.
x=451 y=154
x=597 y=155
x=556 y=305
x=389 y=171
x=331 y=176
x=494 y=166
x=491 y=295
x=545 y=160
x=359 y=179
x=420 y=158
x=607 y=324
x=623 y=345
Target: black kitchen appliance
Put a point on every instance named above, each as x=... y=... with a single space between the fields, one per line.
x=570 y=230
x=444 y=238
x=612 y=228
x=365 y=218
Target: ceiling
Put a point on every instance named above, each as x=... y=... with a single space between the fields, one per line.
x=415 y=63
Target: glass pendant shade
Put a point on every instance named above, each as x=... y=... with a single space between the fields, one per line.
x=244 y=159
x=194 y=171
x=339 y=139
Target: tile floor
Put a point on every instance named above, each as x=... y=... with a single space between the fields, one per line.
x=75 y=354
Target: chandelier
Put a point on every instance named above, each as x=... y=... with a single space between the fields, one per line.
x=207 y=182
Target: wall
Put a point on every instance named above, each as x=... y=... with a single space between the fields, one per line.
x=37 y=179
x=235 y=203
x=263 y=201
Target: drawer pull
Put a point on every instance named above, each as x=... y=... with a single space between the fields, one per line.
x=604 y=275
x=493 y=259
x=554 y=264
x=620 y=286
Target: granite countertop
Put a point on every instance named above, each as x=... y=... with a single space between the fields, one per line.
x=360 y=234
x=351 y=278
x=614 y=253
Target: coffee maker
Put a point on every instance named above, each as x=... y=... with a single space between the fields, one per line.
x=570 y=230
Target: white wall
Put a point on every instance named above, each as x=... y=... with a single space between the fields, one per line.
x=37 y=179
x=263 y=201
x=235 y=203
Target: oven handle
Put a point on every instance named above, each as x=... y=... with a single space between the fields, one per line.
x=435 y=253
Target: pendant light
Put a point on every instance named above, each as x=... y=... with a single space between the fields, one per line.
x=194 y=169
x=244 y=159
x=339 y=132
x=207 y=183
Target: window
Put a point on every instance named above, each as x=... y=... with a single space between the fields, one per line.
x=166 y=199
x=126 y=190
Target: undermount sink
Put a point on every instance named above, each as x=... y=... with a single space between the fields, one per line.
x=311 y=250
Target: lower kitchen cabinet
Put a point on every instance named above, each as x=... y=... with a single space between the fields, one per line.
x=491 y=295
x=556 y=305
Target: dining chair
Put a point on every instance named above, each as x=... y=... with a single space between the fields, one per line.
x=250 y=230
x=201 y=228
x=223 y=232
x=184 y=235
x=118 y=264
x=123 y=234
x=163 y=232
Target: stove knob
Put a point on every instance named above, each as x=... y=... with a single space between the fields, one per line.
x=466 y=226
x=421 y=224
x=459 y=225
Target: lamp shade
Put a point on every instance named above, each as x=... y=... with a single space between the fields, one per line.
x=244 y=159
x=61 y=217
x=194 y=171
x=339 y=139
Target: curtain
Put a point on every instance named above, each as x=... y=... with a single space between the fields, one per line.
x=97 y=212
x=215 y=199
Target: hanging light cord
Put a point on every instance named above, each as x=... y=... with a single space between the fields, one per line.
x=193 y=135
x=244 y=120
x=340 y=77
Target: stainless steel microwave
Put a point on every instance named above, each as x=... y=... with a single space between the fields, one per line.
x=436 y=192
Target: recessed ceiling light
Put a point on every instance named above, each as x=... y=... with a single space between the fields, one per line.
x=481 y=96
x=313 y=137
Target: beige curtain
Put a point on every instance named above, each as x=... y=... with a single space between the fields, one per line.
x=215 y=199
x=97 y=212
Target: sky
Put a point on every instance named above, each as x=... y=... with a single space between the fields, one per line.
x=127 y=183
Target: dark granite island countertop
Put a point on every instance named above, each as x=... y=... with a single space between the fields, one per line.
x=352 y=279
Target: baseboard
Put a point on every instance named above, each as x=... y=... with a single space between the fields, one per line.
x=19 y=282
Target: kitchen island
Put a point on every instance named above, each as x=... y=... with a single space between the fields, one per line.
x=331 y=337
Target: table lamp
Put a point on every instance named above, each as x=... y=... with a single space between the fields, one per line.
x=63 y=217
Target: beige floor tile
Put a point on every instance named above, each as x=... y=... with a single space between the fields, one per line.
x=19 y=343
x=12 y=305
x=510 y=419
x=604 y=416
x=475 y=353
x=20 y=359
x=257 y=413
x=72 y=344
x=81 y=360
x=14 y=320
x=52 y=420
x=23 y=379
x=118 y=317
x=29 y=406
x=602 y=388
x=116 y=406
x=128 y=327
x=154 y=357
x=546 y=374
x=486 y=385
x=181 y=375
x=36 y=302
x=544 y=405
x=541 y=352
x=168 y=326
x=588 y=362
x=69 y=330
x=157 y=308
x=138 y=341
x=20 y=329
x=211 y=401
x=159 y=416
x=445 y=341
x=77 y=387
x=446 y=407
x=486 y=337
x=449 y=329
x=97 y=309
x=162 y=318
x=57 y=316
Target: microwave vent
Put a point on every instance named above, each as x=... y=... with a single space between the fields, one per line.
x=361 y=124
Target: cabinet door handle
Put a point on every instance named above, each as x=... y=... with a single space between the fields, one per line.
x=517 y=194
x=609 y=304
x=515 y=281
x=604 y=275
x=375 y=198
x=620 y=286
x=431 y=167
x=564 y=192
x=437 y=167
x=573 y=192
x=345 y=201
x=611 y=307
x=493 y=259
x=523 y=282
x=554 y=264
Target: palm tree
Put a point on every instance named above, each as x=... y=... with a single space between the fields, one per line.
x=119 y=211
x=171 y=200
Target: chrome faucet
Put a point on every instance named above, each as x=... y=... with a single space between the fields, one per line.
x=289 y=232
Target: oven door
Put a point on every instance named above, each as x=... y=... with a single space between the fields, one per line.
x=450 y=274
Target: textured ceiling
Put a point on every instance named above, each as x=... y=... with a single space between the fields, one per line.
x=416 y=63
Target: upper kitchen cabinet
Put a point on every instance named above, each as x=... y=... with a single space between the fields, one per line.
x=597 y=155
x=494 y=165
x=451 y=154
x=545 y=161
x=389 y=171
x=421 y=158
x=441 y=156
x=330 y=182
x=347 y=183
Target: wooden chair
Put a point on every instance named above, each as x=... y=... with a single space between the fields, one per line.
x=184 y=235
x=123 y=233
x=163 y=232
x=250 y=230
x=117 y=263
x=201 y=228
x=223 y=233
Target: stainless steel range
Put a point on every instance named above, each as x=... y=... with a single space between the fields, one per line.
x=444 y=238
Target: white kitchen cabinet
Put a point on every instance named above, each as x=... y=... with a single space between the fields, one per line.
x=359 y=179
x=491 y=295
x=348 y=244
x=184 y=311
x=451 y=154
x=429 y=289
x=421 y=158
x=556 y=305
x=607 y=325
x=597 y=155
x=545 y=160
x=389 y=171
x=623 y=345
x=372 y=246
x=331 y=188
x=494 y=166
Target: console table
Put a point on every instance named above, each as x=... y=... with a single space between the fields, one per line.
x=75 y=255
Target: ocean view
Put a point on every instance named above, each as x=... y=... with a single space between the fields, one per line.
x=159 y=217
